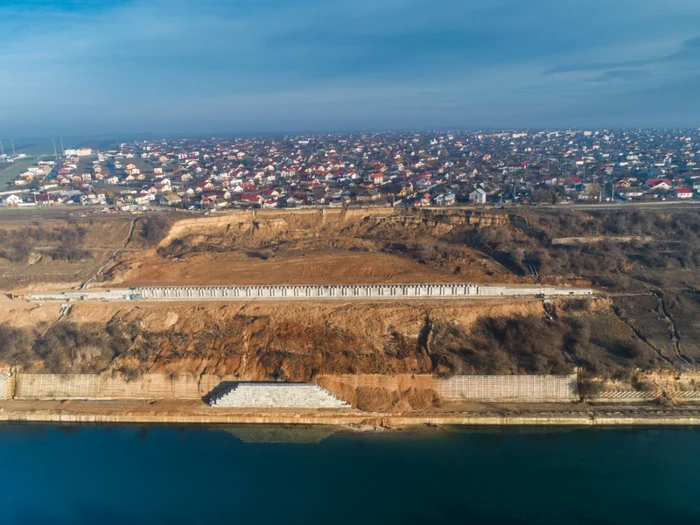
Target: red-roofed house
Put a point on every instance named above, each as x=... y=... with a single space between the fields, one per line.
x=376 y=178
x=251 y=197
x=659 y=184
x=683 y=193
x=270 y=193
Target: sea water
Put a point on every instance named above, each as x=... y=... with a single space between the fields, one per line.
x=257 y=474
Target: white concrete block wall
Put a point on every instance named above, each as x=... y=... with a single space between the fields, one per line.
x=378 y=291
x=93 y=386
x=277 y=395
x=57 y=386
x=513 y=387
x=5 y=384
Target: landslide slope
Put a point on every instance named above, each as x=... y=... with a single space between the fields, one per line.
x=317 y=247
x=298 y=341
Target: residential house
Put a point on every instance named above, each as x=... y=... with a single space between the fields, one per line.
x=683 y=193
x=655 y=184
x=251 y=198
x=376 y=178
x=12 y=201
x=632 y=192
x=445 y=199
x=478 y=196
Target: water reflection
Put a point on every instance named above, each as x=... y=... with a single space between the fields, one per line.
x=278 y=433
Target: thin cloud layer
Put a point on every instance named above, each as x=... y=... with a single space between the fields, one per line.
x=274 y=65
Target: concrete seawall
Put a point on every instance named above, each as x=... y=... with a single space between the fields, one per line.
x=524 y=389
x=10 y=412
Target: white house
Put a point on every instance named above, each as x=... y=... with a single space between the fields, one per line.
x=478 y=196
x=12 y=200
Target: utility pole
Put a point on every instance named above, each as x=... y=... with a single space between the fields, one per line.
x=13 y=147
x=55 y=155
x=2 y=150
x=62 y=150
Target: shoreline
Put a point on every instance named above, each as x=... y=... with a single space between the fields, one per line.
x=167 y=414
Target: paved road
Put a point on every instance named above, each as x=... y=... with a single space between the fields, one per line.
x=623 y=205
x=67 y=212
x=63 y=212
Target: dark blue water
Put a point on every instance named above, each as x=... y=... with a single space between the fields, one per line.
x=127 y=475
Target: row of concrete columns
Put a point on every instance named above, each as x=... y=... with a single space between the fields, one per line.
x=306 y=291
x=398 y=290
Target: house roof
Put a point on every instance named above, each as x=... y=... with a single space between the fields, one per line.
x=245 y=196
x=655 y=182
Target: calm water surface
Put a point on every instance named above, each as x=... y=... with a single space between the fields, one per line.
x=271 y=475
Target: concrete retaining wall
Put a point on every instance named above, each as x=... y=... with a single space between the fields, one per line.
x=162 y=386
x=379 y=291
x=523 y=388
x=93 y=386
x=348 y=291
x=512 y=388
x=5 y=384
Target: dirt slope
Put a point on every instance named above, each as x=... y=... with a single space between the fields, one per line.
x=314 y=247
x=299 y=340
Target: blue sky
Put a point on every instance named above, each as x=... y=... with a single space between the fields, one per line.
x=247 y=66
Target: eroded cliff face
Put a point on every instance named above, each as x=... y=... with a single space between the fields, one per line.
x=266 y=340
x=301 y=340
x=294 y=341
x=329 y=246
x=257 y=228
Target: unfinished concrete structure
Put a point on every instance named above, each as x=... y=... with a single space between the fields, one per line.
x=277 y=395
x=374 y=291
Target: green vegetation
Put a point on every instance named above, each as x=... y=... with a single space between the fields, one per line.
x=13 y=170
